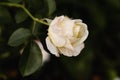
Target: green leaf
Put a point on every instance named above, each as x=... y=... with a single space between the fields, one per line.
x=35 y=5
x=51 y=6
x=19 y=36
x=15 y=1
x=114 y=3
x=20 y=16
x=98 y=16
x=31 y=59
x=5 y=16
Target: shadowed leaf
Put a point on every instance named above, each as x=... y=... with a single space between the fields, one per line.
x=20 y=16
x=31 y=59
x=19 y=36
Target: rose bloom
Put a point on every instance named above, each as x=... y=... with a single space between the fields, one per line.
x=66 y=36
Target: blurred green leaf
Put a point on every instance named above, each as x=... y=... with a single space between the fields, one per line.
x=97 y=15
x=35 y=4
x=39 y=14
x=20 y=16
x=4 y=55
x=15 y=1
x=37 y=7
x=51 y=6
x=112 y=74
x=5 y=16
x=19 y=36
x=31 y=59
x=3 y=76
x=114 y=3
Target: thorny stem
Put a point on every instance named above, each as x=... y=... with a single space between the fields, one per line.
x=27 y=12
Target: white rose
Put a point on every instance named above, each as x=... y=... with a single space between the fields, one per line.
x=66 y=36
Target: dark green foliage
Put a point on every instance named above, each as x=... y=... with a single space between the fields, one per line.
x=51 y=6
x=5 y=16
x=19 y=37
x=15 y=1
x=12 y=17
x=31 y=59
x=20 y=16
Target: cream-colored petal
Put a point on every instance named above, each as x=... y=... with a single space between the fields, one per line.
x=83 y=34
x=67 y=27
x=77 y=27
x=65 y=24
x=67 y=52
x=73 y=40
x=55 y=32
x=76 y=30
x=68 y=44
x=56 y=20
x=56 y=37
x=77 y=21
x=78 y=49
x=51 y=47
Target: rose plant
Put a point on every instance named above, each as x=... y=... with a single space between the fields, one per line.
x=65 y=36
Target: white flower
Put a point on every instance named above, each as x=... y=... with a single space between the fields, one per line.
x=66 y=36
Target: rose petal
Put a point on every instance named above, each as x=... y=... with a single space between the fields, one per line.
x=67 y=52
x=77 y=21
x=56 y=20
x=67 y=27
x=78 y=49
x=45 y=55
x=76 y=30
x=55 y=32
x=56 y=37
x=68 y=44
x=51 y=47
x=83 y=33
